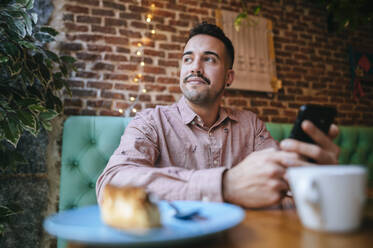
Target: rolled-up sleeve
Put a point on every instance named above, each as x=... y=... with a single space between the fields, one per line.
x=133 y=163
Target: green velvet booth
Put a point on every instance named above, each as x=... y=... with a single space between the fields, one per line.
x=89 y=141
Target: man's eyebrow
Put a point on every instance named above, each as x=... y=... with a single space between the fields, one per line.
x=212 y=53
x=207 y=52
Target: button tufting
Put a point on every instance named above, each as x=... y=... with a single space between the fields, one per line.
x=91 y=185
x=93 y=141
x=75 y=163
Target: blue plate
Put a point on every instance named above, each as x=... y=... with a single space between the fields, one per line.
x=84 y=224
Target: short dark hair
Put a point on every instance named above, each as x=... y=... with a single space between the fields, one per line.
x=215 y=31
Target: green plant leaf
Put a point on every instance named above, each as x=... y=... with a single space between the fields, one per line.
x=47 y=125
x=237 y=22
x=4 y=59
x=45 y=73
x=11 y=50
x=68 y=59
x=49 y=30
x=34 y=17
x=44 y=37
x=48 y=115
x=27 y=44
x=29 y=4
x=257 y=9
x=54 y=57
x=28 y=120
x=12 y=131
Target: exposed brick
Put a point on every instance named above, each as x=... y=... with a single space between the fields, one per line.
x=165 y=98
x=156 y=53
x=178 y=23
x=114 y=57
x=88 y=112
x=138 y=59
x=98 y=48
x=84 y=92
x=105 y=30
x=170 y=46
x=73 y=102
x=76 y=28
x=168 y=63
x=116 y=40
x=122 y=50
x=127 y=87
x=154 y=70
x=165 y=13
x=71 y=111
x=88 y=19
x=87 y=2
x=100 y=104
x=127 y=67
x=99 y=85
x=130 y=33
x=138 y=9
x=75 y=83
x=68 y=17
x=112 y=95
x=181 y=39
x=87 y=74
x=174 y=89
x=122 y=105
x=198 y=11
x=103 y=12
x=112 y=5
x=130 y=16
x=88 y=37
x=175 y=55
x=88 y=56
x=174 y=7
x=167 y=28
x=121 y=77
x=148 y=79
x=237 y=102
x=103 y=66
x=167 y=80
x=139 y=25
x=76 y=9
x=257 y=103
x=115 y=22
x=183 y=16
x=155 y=88
x=110 y=113
x=71 y=46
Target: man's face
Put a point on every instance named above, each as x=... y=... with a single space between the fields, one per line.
x=204 y=70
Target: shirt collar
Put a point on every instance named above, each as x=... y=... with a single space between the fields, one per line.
x=188 y=115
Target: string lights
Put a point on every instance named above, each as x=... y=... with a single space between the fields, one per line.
x=137 y=76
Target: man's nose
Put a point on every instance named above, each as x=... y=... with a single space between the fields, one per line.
x=196 y=67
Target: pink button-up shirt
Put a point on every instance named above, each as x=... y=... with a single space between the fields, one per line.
x=169 y=151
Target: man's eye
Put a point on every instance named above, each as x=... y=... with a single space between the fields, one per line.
x=187 y=59
x=210 y=59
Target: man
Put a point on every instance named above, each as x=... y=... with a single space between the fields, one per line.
x=197 y=150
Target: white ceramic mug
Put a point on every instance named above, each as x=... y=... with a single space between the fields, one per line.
x=329 y=198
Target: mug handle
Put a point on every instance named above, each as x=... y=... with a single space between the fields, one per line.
x=310 y=191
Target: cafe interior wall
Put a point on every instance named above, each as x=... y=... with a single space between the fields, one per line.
x=311 y=62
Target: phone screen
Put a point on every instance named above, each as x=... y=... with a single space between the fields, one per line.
x=321 y=116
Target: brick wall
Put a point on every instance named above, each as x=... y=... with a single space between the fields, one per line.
x=102 y=34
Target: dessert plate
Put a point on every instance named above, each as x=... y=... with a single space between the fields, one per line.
x=84 y=225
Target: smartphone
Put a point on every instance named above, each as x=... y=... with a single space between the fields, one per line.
x=321 y=116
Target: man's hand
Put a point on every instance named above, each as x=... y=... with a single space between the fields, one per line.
x=323 y=152
x=258 y=180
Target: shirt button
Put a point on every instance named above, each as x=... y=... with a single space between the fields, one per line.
x=215 y=162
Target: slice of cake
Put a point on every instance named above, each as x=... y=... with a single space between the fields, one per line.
x=129 y=208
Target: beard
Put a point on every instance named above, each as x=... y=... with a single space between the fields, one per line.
x=198 y=96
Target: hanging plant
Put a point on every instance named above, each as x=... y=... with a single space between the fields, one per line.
x=31 y=76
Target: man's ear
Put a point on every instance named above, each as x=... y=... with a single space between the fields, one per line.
x=229 y=77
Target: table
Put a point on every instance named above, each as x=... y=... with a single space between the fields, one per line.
x=282 y=228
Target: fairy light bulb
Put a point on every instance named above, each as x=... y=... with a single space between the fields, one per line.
x=120 y=111
x=138 y=53
x=134 y=110
x=132 y=99
x=135 y=80
x=144 y=90
x=152 y=5
x=139 y=44
x=139 y=75
x=149 y=18
x=142 y=63
x=153 y=31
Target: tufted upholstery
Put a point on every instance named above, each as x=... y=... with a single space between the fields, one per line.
x=89 y=141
